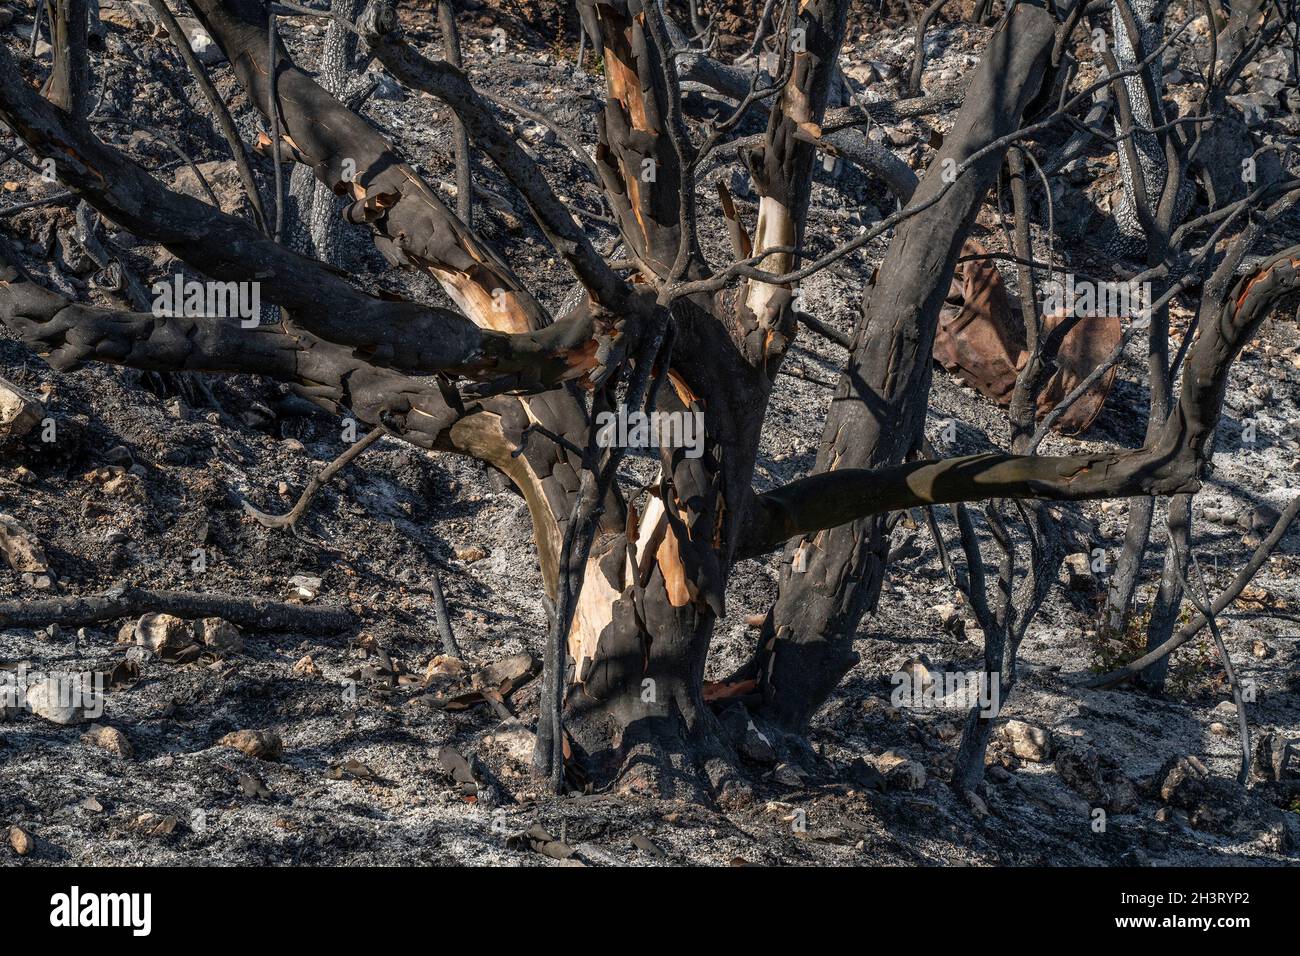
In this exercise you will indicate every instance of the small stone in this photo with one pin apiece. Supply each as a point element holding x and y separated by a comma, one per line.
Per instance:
<point>306,667</point>
<point>1261,650</point>
<point>916,677</point>
<point>471,554</point>
<point>58,701</point>
<point>1220,730</point>
<point>908,775</point>
<point>1225,709</point>
<point>19,412</point>
<point>219,634</point>
<point>21,841</point>
<point>110,739</point>
<point>901,772</point>
<point>261,744</point>
<point>950,618</point>
<point>119,455</point>
<point>306,588</point>
<point>22,549</point>
<point>756,746</point>
<point>1078,568</point>
<point>976,804</point>
<point>788,775</point>
<point>1027,741</point>
<point>535,134</point>
<point>159,632</point>
<point>903,135</point>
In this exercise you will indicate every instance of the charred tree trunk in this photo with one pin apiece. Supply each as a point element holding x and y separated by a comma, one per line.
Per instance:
<point>829,580</point>
<point>69,83</point>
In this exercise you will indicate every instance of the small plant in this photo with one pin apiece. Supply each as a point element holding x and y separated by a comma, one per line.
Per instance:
<point>1190,670</point>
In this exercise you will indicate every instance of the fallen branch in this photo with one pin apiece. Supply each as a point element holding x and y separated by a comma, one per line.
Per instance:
<point>290,519</point>
<point>251,612</point>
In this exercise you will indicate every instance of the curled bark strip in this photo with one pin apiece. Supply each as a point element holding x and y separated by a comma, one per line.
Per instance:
<point>781,169</point>
<point>258,614</point>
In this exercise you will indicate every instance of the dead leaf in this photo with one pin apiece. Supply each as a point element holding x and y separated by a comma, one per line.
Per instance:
<point>149,824</point>
<point>981,341</point>
<point>507,674</point>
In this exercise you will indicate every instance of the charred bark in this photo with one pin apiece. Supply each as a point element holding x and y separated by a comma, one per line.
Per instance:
<point>828,580</point>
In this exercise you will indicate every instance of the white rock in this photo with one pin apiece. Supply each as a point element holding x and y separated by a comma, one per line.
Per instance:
<point>159,631</point>
<point>57,700</point>
<point>1027,741</point>
<point>305,587</point>
<point>19,412</point>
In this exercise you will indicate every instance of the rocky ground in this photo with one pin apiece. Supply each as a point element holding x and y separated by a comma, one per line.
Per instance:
<point>371,747</point>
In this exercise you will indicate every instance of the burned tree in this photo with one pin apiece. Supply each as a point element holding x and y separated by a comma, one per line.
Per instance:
<point>636,575</point>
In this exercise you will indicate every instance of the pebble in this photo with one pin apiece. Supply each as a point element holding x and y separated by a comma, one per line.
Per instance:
<point>110,739</point>
<point>261,744</point>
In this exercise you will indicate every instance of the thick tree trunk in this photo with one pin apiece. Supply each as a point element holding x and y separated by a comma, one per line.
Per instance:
<point>634,710</point>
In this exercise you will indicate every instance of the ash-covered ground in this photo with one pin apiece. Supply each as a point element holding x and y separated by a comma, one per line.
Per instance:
<point>363,777</point>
